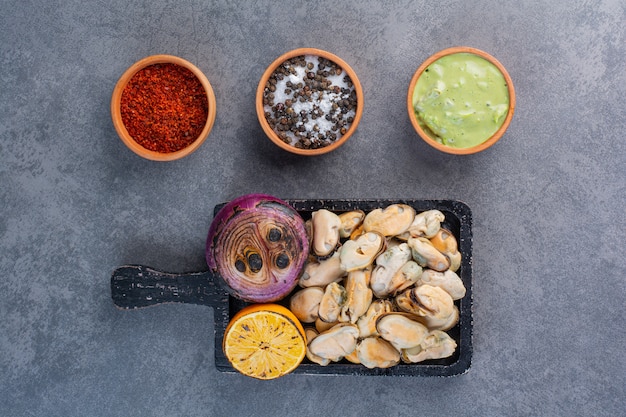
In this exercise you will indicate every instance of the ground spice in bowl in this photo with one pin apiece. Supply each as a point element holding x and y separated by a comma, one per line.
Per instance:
<point>309,101</point>
<point>163,107</point>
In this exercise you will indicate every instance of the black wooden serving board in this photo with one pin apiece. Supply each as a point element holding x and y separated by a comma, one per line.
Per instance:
<point>137,286</point>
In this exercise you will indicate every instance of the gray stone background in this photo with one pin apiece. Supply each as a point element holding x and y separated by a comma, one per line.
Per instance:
<point>548,202</point>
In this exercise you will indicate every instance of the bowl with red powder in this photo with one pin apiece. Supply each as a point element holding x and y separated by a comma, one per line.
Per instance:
<point>163,108</point>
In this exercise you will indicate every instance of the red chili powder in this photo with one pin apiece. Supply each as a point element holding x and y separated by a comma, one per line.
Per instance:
<point>164,107</point>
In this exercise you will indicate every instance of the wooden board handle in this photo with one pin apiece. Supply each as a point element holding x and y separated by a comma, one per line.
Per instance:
<point>136,286</point>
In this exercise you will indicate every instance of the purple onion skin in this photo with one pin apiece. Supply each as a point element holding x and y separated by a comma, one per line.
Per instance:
<point>257,246</point>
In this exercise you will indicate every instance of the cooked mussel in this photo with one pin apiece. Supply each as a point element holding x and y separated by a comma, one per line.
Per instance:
<point>335,343</point>
<point>376,352</point>
<point>401,330</point>
<point>436,345</point>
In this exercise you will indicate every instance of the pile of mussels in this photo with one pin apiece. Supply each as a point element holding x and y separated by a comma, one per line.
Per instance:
<point>379,288</point>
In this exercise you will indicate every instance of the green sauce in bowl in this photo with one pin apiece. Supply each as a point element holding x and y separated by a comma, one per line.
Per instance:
<point>461,100</point>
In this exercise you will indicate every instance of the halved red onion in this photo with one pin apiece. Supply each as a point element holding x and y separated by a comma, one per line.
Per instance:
<point>257,245</point>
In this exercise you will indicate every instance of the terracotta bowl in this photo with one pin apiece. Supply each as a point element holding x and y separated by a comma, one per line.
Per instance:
<point>273,135</point>
<point>428,136</point>
<point>116,113</point>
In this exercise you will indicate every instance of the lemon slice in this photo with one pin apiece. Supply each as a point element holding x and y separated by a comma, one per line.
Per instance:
<point>264,341</point>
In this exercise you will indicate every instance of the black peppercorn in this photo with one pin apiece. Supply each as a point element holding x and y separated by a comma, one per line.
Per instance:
<point>302,103</point>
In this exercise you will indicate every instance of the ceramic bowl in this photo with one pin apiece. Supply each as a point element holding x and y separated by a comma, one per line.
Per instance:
<point>430,137</point>
<point>265,107</point>
<point>116,111</point>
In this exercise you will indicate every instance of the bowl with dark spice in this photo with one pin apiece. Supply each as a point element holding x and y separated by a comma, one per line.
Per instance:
<point>309,101</point>
<point>461,100</point>
<point>163,107</point>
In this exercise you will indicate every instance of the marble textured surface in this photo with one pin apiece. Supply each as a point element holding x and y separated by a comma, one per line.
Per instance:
<point>548,202</point>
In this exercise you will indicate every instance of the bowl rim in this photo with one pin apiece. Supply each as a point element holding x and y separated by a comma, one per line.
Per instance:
<point>261,112</point>
<point>449,149</point>
<point>116,114</point>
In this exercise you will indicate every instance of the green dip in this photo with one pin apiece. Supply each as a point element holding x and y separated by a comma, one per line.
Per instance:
<point>461,100</point>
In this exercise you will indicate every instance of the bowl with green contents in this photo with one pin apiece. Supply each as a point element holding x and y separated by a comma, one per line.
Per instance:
<point>461,100</point>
